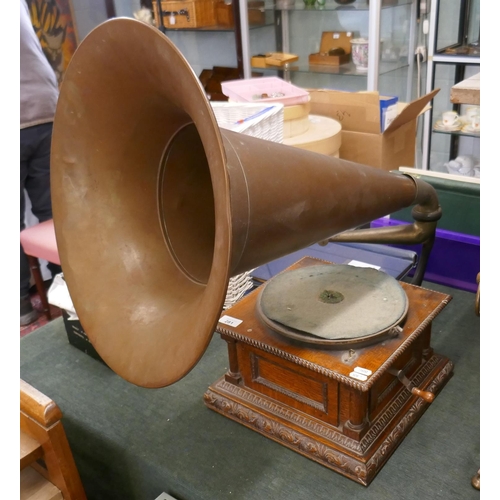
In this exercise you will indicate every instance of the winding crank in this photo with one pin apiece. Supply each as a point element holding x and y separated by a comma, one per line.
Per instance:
<point>425,395</point>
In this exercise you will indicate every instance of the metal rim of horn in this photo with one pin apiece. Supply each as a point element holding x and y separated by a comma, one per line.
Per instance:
<point>155,207</point>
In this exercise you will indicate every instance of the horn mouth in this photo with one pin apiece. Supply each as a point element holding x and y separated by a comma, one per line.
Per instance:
<point>186,204</point>
<point>144,243</point>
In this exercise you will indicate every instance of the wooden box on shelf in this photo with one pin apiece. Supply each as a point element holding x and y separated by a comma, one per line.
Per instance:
<point>273,59</point>
<point>333,40</point>
<point>224,13</point>
<point>186,13</point>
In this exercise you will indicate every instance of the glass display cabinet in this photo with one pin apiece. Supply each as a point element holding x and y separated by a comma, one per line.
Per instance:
<point>454,55</point>
<point>246,28</point>
<point>389,27</point>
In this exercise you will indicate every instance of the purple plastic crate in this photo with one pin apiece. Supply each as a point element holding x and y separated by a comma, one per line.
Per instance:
<point>454,260</point>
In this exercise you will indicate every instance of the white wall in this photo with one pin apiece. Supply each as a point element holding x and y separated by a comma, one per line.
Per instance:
<point>88,14</point>
<point>126,8</point>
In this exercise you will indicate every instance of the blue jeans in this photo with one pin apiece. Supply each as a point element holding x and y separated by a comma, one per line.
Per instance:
<point>35,178</point>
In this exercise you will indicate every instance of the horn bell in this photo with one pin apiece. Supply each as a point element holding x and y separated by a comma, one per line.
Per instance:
<point>155,207</point>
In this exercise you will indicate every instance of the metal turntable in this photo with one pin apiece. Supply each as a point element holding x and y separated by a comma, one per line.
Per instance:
<point>320,305</point>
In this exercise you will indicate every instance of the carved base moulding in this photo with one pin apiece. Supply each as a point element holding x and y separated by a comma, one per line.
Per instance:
<point>316,440</point>
<point>313,400</point>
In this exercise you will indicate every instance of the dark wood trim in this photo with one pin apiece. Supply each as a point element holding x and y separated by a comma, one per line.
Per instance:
<point>237,36</point>
<point>110,8</point>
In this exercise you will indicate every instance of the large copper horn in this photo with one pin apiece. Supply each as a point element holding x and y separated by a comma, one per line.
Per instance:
<point>155,207</point>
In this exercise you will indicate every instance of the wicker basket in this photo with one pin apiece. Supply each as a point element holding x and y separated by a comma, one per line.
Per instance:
<point>185,14</point>
<point>257,120</point>
<point>264,121</point>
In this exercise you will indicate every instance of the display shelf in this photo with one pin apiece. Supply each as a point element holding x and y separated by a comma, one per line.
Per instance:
<point>299,30</point>
<point>331,5</point>
<point>455,59</point>
<point>457,133</point>
<point>218,28</point>
<point>343,69</point>
<point>454,55</point>
<point>265,18</point>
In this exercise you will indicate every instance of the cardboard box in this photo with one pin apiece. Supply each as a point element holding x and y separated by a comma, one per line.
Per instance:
<point>78,338</point>
<point>331,40</point>
<point>362,140</point>
<point>388,111</point>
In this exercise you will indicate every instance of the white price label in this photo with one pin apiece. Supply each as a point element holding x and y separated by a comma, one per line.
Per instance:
<point>230,321</point>
<point>171,19</point>
<point>363,371</point>
<point>357,263</point>
<point>358,376</point>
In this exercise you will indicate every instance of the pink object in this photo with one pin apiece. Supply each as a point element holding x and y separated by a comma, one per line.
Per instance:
<point>40,241</point>
<point>255,90</point>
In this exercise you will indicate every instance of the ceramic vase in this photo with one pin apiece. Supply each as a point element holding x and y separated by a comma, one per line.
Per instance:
<point>359,53</point>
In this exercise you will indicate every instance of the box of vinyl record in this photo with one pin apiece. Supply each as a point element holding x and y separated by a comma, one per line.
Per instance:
<point>58,295</point>
<point>77,336</point>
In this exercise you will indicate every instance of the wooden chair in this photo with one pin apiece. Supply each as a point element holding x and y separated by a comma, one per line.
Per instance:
<point>39,242</point>
<point>48,470</point>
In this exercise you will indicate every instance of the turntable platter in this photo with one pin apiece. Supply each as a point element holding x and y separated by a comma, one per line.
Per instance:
<point>333,304</point>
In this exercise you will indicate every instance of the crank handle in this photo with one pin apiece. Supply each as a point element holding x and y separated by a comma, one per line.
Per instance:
<point>425,395</point>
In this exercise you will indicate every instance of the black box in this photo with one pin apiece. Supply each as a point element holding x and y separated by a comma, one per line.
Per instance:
<point>78,338</point>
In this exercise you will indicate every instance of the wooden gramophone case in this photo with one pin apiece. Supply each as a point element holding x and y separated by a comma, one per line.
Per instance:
<point>342,408</point>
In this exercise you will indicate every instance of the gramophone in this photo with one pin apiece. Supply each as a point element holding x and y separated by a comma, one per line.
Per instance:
<point>155,208</point>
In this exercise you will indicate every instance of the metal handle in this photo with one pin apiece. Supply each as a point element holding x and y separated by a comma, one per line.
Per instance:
<point>425,395</point>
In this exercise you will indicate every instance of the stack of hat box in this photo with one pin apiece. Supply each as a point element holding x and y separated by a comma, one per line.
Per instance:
<point>319,134</point>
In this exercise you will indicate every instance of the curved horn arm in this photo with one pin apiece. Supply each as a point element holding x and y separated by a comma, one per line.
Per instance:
<point>426,213</point>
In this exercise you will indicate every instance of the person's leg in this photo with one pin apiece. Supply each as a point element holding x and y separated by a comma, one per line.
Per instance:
<point>38,180</point>
<point>27,313</point>
<point>25,270</point>
<point>38,172</point>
